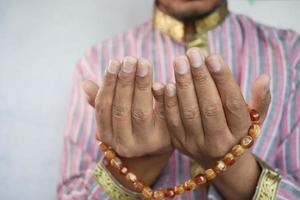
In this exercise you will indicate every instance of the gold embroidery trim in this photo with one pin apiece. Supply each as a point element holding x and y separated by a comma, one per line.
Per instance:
<point>206,24</point>
<point>110,186</point>
<point>167,24</point>
<point>175,28</point>
<point>195,168</point>
<point>212,20</point>
<point>268,183</point>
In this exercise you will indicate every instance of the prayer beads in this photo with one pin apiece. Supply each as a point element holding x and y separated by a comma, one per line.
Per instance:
<point>229,159</point>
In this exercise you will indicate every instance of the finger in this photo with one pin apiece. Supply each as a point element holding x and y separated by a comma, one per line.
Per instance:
<point>142,108</point>
<point>187,98</point>
<point>122,102</point>
<point>212,114</point>
<point>91,89</point>
<point>103,101</point>
<point>235,107</point>
<point>158,93</point>
<point>173,116</point>
<point>261,96</point>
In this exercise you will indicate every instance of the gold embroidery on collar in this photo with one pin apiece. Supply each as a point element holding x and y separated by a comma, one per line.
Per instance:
<point>212,20</point>
<point>168,24</point>
<point>175,28</point>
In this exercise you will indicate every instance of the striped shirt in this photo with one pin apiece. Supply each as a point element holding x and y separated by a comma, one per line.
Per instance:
<point>249,48</point>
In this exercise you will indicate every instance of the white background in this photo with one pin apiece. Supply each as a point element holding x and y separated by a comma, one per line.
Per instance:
<point>40,41</point>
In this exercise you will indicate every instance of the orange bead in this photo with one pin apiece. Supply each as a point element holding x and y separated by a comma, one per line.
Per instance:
<point>229,159</point>
<point>254,130</point>
<point>254,115</point>
<point>147,192</point>
<point>169,192</point>
<point>124,170</point>
<point>158,195</point>
<point>138,185</point>
<point>109,154</point>
<point>210,174</point>
<point>200,179</point>
<point>220,167</point>
<point>116,163</point>
<point>189,185</point>
<point>237,150</point>
<point>247,141</point>
<point>103,146</point>
<point>131,177</point>
<point>179,189</point>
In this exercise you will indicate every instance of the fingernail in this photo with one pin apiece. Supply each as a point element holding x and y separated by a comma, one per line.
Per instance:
<point>195,57</point>
<point>157,87</point>
<point>113,67</point>
<point>128,64</point>
<point>214,63</point>
<point>181,65</point>
<point>170,90</point>
<point>142,69</point>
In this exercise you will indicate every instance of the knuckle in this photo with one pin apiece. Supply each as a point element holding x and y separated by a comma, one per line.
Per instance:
<point>101,107</point>
<point>109,78</point>
<point>141,114</point>
<point>200,78</point>
<point>182,82</point>
<point>120,111</point>
<point>143,83</point>
<point>171,102</point>
<point>211,109</point>
<point>221,78</point>
<point>190,112</point>
<point>125,80</point>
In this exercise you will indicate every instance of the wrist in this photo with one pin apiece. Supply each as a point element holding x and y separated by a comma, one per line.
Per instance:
<point>240,179</point>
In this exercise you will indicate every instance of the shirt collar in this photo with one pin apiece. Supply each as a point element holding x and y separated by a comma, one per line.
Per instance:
<point>175,28</point>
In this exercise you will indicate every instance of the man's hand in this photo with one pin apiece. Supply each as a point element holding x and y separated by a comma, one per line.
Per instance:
<point>207,115</point>
<point>126,119</point>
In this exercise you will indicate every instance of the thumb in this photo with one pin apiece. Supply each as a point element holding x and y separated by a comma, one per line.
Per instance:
<point>261,96</point>
<point>91,89</point>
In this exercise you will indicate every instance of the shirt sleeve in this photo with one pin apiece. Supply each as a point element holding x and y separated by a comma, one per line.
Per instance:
<point>288,155</point>
<point>80,153</point>
<point>288,152</point>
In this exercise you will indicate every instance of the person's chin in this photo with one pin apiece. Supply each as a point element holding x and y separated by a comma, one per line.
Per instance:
<point>186,11</point>
<point>189,15</point>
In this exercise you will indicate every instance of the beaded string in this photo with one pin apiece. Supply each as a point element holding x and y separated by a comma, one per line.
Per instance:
<point>229,159</point>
